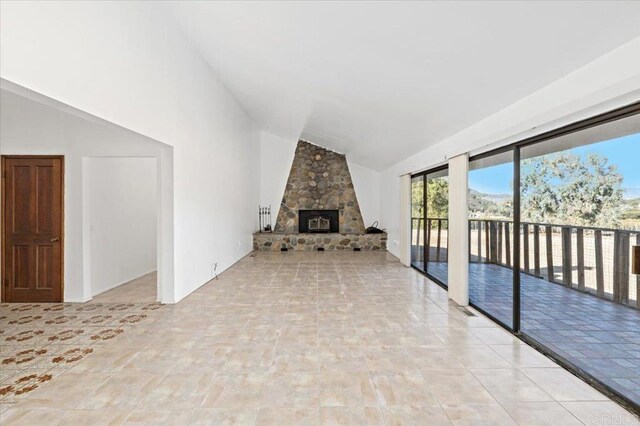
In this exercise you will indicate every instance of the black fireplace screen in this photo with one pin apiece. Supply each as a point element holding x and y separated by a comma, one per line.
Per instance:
<point>311,221</point>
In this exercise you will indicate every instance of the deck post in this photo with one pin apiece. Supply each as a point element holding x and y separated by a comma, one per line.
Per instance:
<point>418,236</point>
<point>566,255</point>
<point>637,269</point>
<point>438,241</point>
<point>499,257</point>
<point>479,225</point>
<point>427,241</point>
<point>507,243</point>
<point>536,250</point>
<point>580,256</point>
<point>549,236</point>
<point>625,263</point>
<point>621,267</point>
<point>525,242</point>
<point>597,236</point>
<point>487,241</point>
<point>493,241</point>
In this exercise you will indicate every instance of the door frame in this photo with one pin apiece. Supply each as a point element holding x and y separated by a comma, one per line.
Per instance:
<point>3,161</point>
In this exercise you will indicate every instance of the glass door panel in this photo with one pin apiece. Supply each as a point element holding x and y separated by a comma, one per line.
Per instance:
<point>491,235</point>
<point>580,215</point>
<point>437,226</point>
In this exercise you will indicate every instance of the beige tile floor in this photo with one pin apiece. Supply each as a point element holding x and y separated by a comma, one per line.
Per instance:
<point>142,289</point>
<point>314,338</point>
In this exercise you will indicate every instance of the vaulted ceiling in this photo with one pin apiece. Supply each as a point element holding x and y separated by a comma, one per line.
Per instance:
<point>381,81</point>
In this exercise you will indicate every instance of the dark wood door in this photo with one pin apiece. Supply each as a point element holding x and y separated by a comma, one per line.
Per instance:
<point>32,228</point>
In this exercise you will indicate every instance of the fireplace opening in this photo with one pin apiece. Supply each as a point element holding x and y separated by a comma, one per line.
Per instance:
<point>317,221</point>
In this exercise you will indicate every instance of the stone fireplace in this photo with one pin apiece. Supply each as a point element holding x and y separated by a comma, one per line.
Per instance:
<point>318,221</point>
<point>319,179</point>
<point>319,208</point>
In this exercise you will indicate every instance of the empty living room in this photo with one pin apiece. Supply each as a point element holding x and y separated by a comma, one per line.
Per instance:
<point>320,212</point>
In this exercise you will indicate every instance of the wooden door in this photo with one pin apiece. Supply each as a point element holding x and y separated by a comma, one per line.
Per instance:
<point>32,237</point>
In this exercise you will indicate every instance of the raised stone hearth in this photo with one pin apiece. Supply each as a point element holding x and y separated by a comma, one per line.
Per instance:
<point>312,242</point>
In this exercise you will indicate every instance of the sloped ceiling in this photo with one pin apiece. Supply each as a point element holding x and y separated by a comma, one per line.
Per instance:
<point>380,81</point>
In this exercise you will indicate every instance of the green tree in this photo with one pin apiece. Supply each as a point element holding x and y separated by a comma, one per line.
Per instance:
<point>417,202</point>
<point>438,198</point>
<point>566,188</point>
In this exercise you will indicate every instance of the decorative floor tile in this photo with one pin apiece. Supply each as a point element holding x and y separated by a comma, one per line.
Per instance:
<point>39,342</point>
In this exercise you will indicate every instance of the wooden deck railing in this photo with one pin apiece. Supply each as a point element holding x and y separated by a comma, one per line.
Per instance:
<point>435,228</point>
<point>588,259</point>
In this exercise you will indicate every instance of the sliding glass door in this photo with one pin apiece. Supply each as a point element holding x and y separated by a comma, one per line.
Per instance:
<point>552,223</point>
<point>580,214</point>
<point>429,223</point>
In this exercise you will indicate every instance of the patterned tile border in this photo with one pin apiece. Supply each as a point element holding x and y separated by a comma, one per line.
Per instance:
<point>39,342</point>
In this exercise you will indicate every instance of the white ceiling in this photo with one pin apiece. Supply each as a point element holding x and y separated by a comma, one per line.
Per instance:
<point>381,81</point>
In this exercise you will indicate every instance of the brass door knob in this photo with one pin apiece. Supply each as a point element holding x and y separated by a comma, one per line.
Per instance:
<point>53,240</point>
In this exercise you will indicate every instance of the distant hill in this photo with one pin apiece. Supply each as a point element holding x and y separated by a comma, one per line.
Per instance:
<point>482,202</point>
<point>494,205</point>
<point>496,198</point>
<point>631,209</point>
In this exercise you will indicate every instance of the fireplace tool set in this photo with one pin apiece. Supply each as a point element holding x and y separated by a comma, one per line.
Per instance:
<point>264,216</point>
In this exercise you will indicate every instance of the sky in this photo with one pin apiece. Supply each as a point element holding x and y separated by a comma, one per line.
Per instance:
<point>624,152</point>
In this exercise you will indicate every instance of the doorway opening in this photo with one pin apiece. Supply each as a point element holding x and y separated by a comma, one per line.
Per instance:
<point>120,203</point>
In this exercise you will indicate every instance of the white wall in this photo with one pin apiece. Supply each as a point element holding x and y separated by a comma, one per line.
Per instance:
<point>276,157</point>
<point>607,83</point>
<point>122,219</point>
<point>367,185</point>
<point>126,63</point>
<point>29,127</point>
